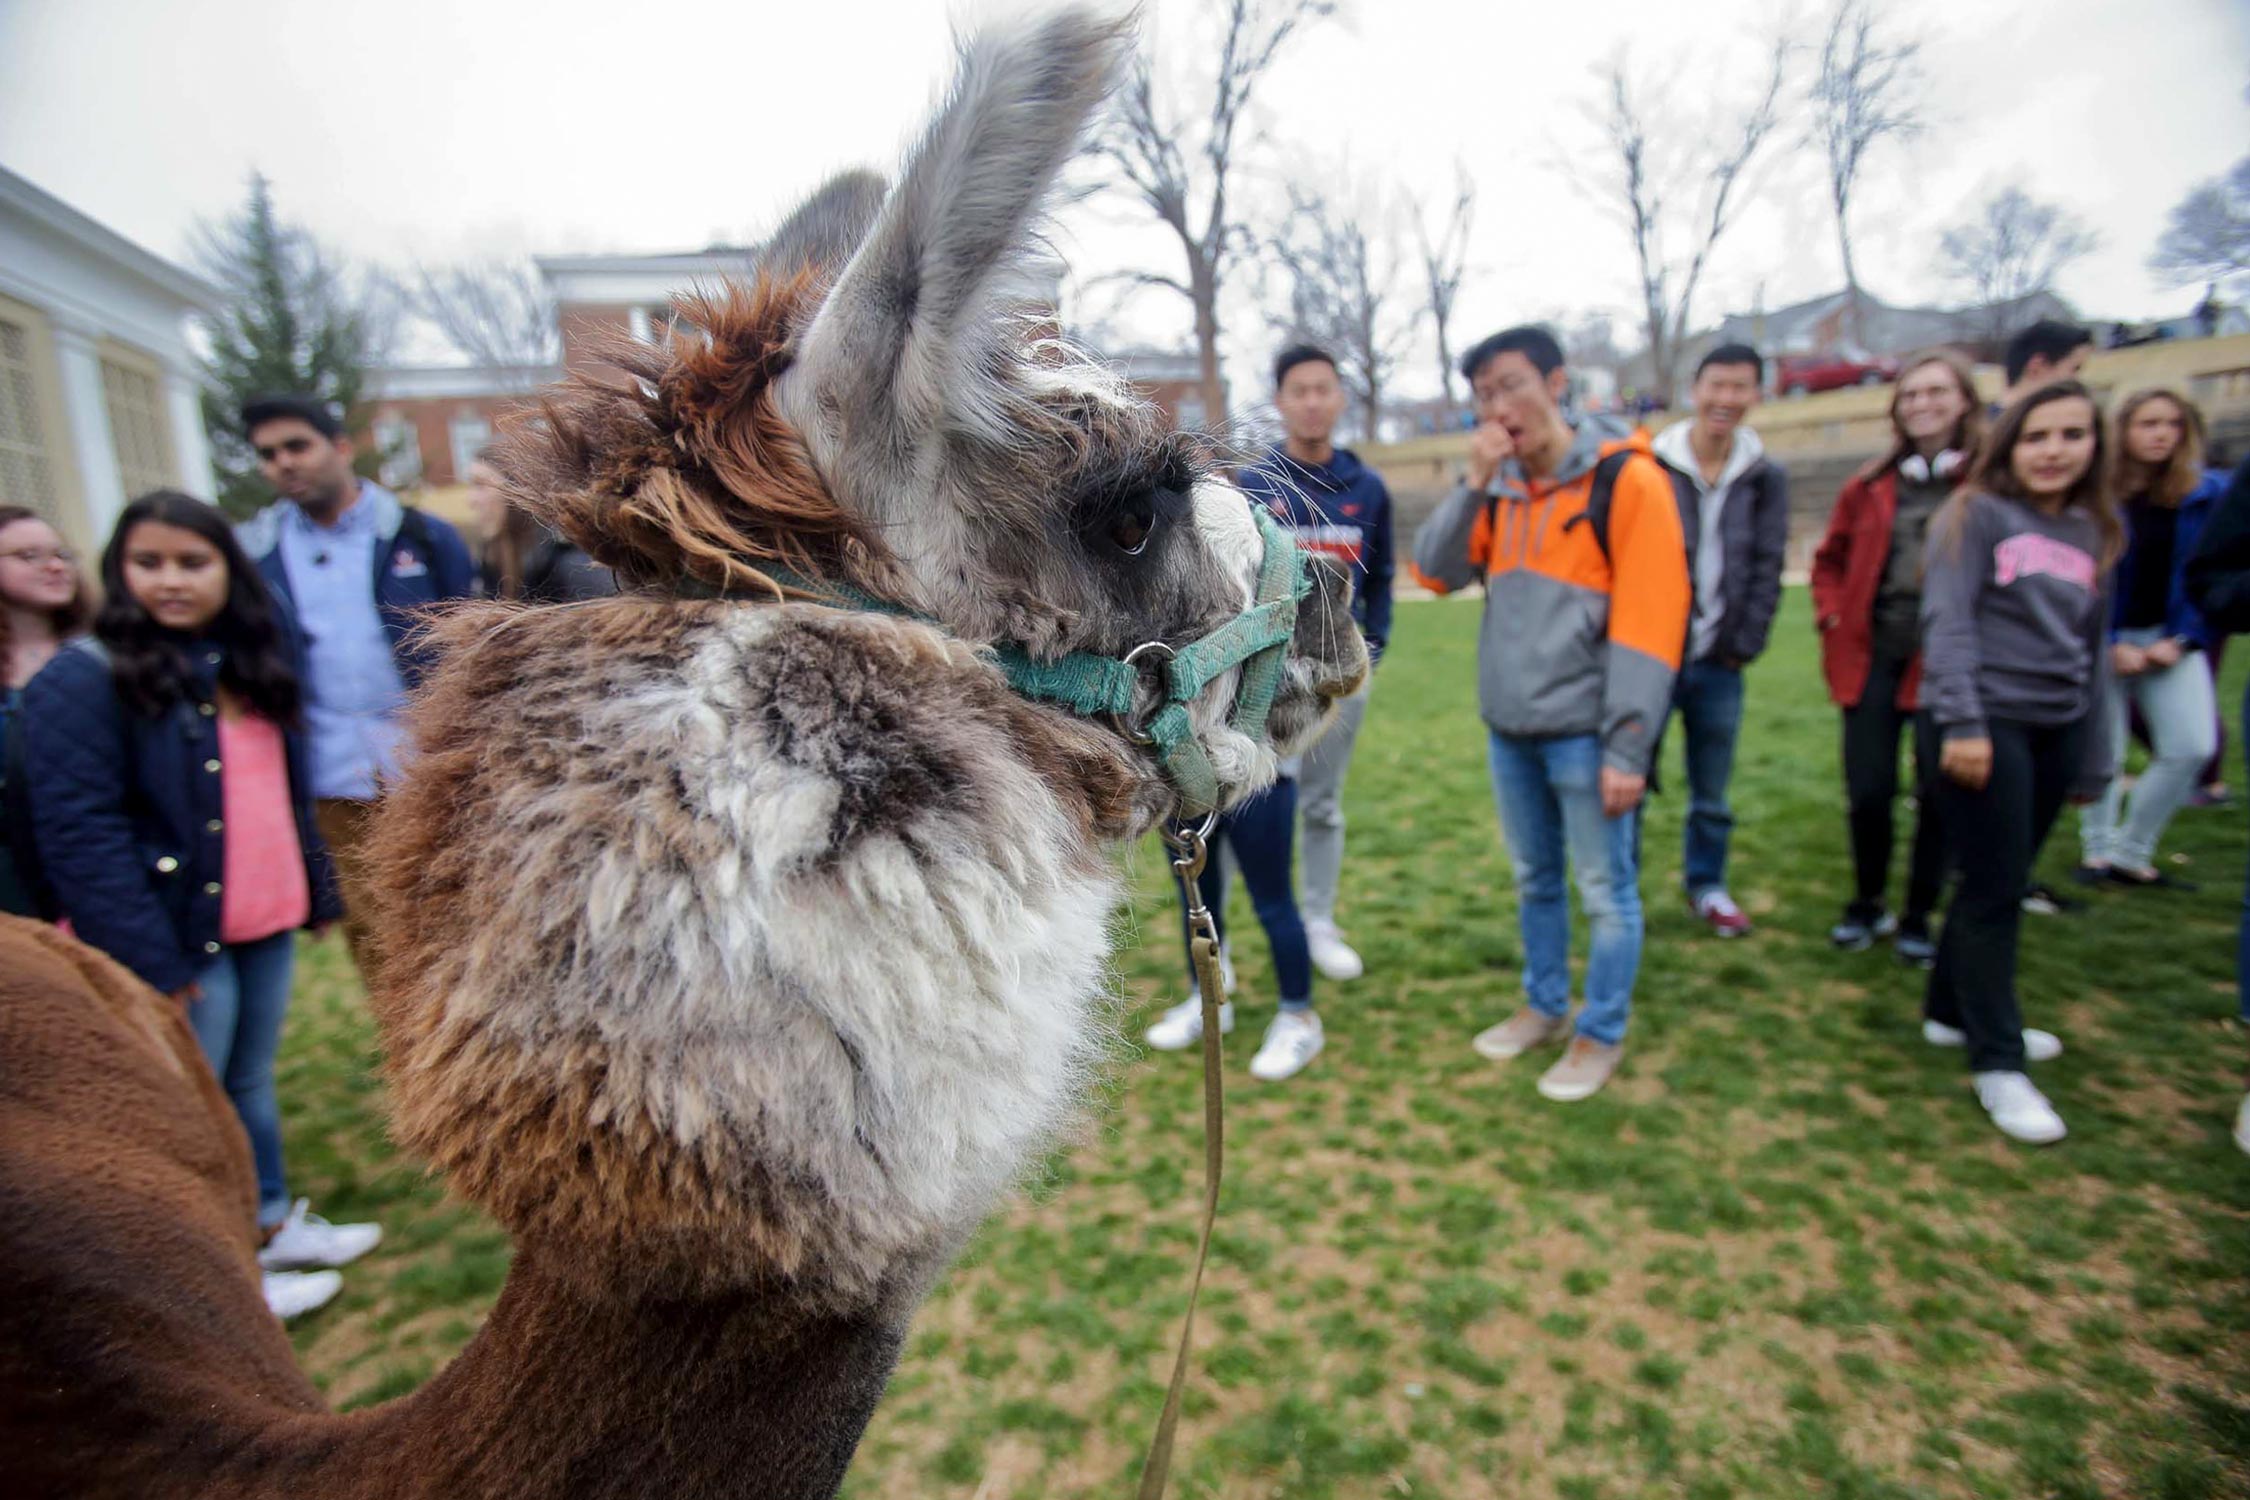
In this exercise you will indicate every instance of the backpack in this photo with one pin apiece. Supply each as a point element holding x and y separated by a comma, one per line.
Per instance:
<point>1598,500</point>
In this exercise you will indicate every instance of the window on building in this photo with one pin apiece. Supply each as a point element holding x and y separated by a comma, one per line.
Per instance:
<point>1191,414</point>
<point>27,465</point>
<point>470,432</point>
<point>138,432</point>
<point>398,450</point>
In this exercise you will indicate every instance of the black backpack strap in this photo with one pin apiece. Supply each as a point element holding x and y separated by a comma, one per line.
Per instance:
<point>1599,498</point>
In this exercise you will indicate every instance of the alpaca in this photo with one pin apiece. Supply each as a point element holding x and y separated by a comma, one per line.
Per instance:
<point>737,950</point>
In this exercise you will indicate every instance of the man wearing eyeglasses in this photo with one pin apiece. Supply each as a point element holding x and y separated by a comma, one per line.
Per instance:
<point>353,563</point>
<point>1574,534</point>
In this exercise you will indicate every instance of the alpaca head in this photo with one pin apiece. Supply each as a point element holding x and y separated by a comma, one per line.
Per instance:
<point>875,407</point>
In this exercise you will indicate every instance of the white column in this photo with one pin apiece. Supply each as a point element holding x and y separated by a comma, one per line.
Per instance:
<point>86,410</point>
<point>191,449</point>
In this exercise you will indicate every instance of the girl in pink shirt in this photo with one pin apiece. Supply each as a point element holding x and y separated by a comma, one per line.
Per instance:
<point>173,817</point>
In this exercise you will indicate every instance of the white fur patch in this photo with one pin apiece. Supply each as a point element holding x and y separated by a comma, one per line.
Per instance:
<point>1222,516</point>
<point>903,1018</point>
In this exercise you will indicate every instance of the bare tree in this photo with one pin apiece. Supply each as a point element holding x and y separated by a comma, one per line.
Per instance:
<point>1445,261</point>
<point>1182,172</point>
<point>1654,156</point>
<point>1867,90</point>
<point>2013,249</point>
<point>495,312</point>
<point>1343,266</point>
<point>2208,238</point>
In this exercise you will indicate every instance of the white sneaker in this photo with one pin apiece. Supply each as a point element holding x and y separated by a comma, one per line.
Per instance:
<point>1330,953</point>
<point>307,1240</point>
<point>1293,1040</point>
<point>2020,1110</point>
<point>1181,1027</point>
<point>291,1294</point>
<point>1226,975</point>
<point>2242,1124</point>
<point>2038,1046</point>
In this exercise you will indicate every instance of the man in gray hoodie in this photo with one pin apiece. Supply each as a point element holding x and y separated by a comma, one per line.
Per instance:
<point>1734,514</point>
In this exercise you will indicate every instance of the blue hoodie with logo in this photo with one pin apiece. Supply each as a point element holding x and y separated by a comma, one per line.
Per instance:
<point>1341,510</point>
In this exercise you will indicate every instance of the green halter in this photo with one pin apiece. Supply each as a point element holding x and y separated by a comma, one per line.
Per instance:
<point>1094,685</point>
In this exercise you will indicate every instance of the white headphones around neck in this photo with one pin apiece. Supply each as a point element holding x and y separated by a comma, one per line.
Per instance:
<point>1922,470</point>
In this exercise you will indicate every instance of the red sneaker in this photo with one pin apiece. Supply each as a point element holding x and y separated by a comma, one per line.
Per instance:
<point>1718,910</point>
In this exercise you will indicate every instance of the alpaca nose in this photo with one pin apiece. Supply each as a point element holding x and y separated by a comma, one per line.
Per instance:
<point>1327,639</point>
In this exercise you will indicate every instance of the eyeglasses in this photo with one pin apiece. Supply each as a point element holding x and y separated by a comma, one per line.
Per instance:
<point>39,557</point>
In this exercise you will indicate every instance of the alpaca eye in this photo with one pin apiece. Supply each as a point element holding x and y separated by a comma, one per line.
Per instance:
<point>1130,532</point>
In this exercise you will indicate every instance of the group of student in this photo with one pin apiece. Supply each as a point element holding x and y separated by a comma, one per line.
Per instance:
<point>2010,587</point>
<point>191,762</point>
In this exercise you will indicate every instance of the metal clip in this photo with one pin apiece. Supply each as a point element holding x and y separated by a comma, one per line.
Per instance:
<point>1159,653</point>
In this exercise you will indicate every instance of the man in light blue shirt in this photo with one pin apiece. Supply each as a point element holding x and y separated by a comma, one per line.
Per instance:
<point>351,563</point>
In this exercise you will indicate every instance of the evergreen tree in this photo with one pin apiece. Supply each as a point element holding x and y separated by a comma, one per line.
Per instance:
<point>291,325</point>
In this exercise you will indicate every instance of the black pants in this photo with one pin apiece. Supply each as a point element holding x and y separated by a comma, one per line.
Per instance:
<point>1871,733</point>
<point>1995,834</point>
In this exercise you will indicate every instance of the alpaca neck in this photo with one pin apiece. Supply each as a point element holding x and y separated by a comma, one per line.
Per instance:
<point>564,1394</point>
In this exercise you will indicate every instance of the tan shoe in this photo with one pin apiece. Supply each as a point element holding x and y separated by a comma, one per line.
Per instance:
<point>1582,1071</point>
<point>1520,1033</point>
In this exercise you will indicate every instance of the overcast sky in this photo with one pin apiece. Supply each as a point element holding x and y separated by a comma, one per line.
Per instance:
<point>440,128</point>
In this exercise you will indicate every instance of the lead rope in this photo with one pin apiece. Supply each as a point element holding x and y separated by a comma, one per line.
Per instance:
<point>1189,851</point>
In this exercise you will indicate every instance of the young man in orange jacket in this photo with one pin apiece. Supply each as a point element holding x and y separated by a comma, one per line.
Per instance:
<point>1585,613</point>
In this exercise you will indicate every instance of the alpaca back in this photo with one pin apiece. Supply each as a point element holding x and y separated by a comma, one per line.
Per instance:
<point>133,1340</point>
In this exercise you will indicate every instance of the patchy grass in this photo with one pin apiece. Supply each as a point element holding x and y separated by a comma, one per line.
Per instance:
<point>1782,1255</point>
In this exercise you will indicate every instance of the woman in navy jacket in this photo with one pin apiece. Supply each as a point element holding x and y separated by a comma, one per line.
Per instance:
<point>172,811</point>
<point>2158,642</point>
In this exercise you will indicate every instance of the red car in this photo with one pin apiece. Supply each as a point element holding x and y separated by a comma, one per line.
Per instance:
<point>1802,374</point>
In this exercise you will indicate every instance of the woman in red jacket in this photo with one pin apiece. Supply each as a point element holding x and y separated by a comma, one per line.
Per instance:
<point>1867,598</point>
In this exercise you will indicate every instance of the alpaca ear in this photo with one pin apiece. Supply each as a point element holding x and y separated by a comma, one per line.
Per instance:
<point>827,227</point>
<point>901,341</point>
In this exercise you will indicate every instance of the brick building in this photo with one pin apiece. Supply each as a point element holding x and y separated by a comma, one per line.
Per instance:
<point>427,422</point>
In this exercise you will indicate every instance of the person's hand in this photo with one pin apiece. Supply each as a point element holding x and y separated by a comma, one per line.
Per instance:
<point>1489,448</point>
<point>187,994</point>
<point>2161,654</point>
<point>1621,792</point>
<point>1967,762</point>
<point>2127,661</point>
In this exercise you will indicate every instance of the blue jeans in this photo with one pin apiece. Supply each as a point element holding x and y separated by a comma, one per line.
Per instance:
<point>1262,832</point>
<point>1709,697</point>
<point>238,1021</point>
<point>1550,797</point>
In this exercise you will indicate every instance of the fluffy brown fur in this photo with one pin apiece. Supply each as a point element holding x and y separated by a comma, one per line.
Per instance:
<point>480,878</point>
<point>690,473</point>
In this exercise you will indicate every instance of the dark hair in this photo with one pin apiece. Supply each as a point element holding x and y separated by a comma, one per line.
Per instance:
<point>259,410</point>
<point>147,661</point>
<point>1734,354</point>
<point>1968,428</point>
<point>1528,339</point>
<point>1299,354</point>
<point>1993,471</point>
<point>2048,339</point>
<point>71,618</point>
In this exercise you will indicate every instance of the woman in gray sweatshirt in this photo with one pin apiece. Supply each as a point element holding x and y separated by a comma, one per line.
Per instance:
<point>2014,614</point>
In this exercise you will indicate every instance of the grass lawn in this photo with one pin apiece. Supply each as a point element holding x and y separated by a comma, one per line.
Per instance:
<point>1783,1255</point>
